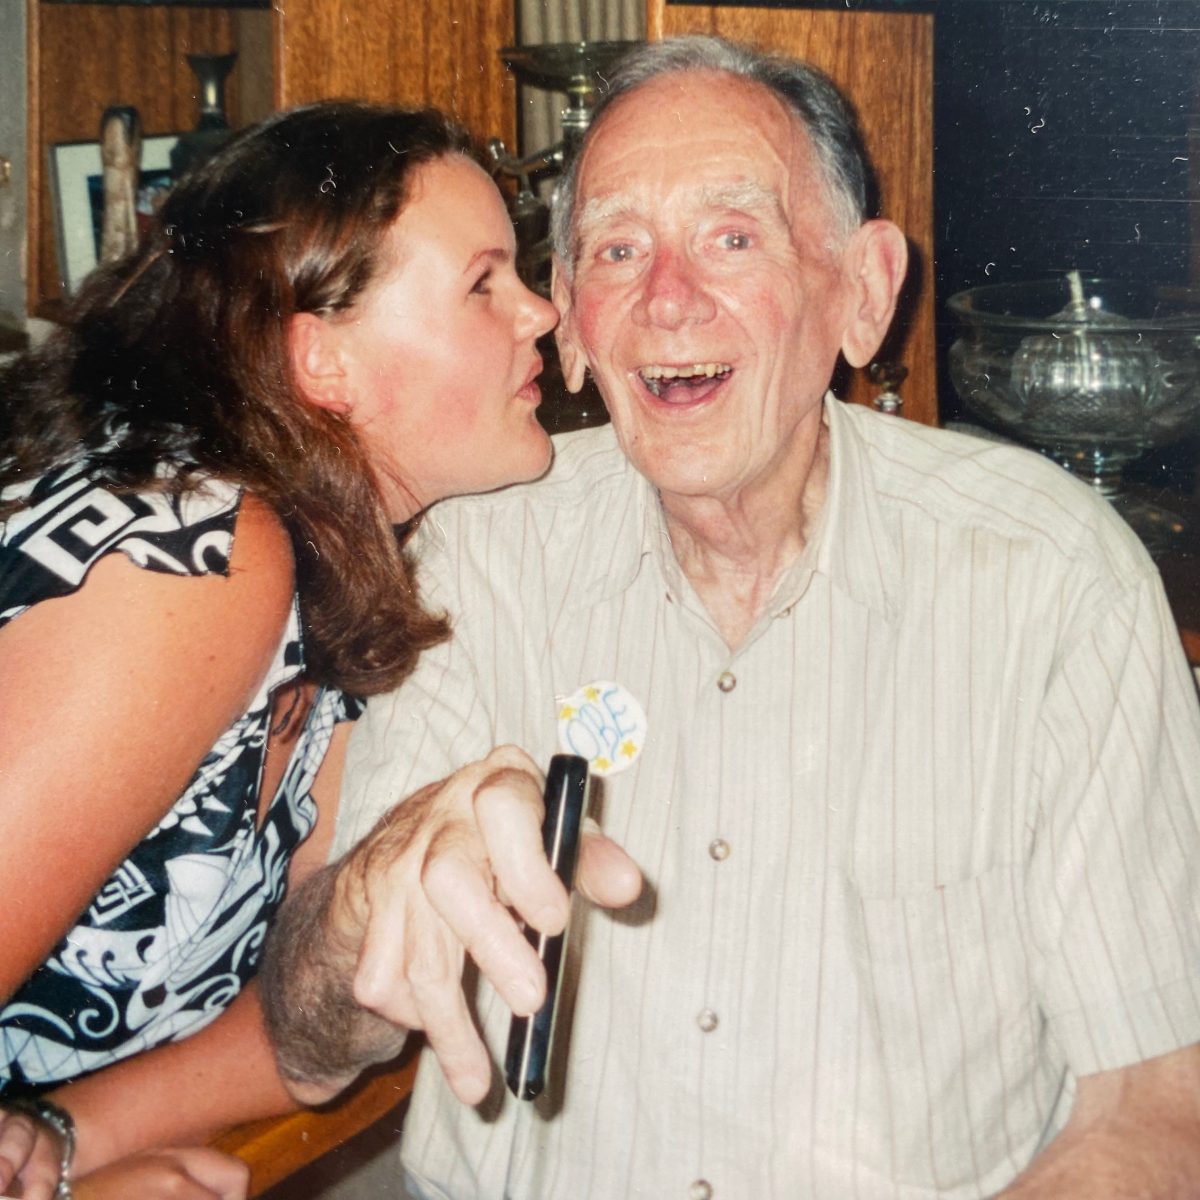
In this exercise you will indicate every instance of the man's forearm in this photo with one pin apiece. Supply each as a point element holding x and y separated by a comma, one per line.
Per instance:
<point>323,1039</point>
<point>1114,1161</point>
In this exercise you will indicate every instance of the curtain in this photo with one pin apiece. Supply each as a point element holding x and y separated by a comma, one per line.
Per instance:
<point>541,21</point>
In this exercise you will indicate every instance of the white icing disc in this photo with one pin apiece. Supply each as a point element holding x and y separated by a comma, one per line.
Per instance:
<point>603,723</point>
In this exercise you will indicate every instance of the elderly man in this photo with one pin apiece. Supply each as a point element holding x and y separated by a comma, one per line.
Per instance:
<point>915,799</point>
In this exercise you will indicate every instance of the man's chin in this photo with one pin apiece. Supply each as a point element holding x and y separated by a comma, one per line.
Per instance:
<point>684,476</point>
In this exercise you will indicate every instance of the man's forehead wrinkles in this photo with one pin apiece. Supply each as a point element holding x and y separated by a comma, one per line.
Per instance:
<point>744,195</point>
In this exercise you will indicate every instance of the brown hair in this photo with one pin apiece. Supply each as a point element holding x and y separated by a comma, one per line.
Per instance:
<point>178,354</point>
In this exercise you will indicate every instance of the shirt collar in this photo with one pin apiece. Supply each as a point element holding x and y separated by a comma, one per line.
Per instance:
<point>851,547</point>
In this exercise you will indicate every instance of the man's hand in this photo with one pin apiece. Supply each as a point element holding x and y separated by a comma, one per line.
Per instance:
<point>439,876</point>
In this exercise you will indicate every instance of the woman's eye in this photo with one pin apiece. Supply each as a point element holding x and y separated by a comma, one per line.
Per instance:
<point>735,241</point>
<point>482,285</point>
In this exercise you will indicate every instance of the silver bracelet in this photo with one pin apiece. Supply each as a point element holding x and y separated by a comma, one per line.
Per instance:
<point>58,1119</point>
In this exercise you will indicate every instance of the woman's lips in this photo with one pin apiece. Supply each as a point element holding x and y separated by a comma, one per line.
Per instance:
<point>530,390</point>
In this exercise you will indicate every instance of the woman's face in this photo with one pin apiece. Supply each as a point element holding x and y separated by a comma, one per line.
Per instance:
<point>439,351</point>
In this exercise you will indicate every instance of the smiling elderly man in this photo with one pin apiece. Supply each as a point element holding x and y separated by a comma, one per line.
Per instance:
<point>917,797</point>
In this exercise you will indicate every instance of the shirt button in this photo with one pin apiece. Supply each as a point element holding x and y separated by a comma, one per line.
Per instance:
<point>700,1190</point>
<point>727,681</point>
<point>718,849</point>
<point>707,1020</point>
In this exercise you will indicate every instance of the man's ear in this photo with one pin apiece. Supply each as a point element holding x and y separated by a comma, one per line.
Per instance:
<point>566,335</point>
<point>877,259</point>
<point>317,363</point>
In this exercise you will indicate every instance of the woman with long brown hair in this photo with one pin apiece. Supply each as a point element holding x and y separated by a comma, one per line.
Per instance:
<point>201,476</point>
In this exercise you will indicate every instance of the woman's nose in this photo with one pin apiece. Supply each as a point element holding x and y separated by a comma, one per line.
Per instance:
<point>538,315</point>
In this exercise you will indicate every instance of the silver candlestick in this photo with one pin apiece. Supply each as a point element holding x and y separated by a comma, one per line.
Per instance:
<point>212,129</point>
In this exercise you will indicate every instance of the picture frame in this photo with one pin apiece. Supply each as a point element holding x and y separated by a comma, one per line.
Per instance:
<point>77,191</point>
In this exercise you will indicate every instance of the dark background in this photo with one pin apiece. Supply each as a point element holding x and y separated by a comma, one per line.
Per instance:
<point>1061,135</point>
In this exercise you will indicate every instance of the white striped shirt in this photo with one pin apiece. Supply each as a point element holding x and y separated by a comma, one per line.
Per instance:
<point>954,790</point>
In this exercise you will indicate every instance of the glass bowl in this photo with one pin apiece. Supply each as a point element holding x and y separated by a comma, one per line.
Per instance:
<point>1092,372</point>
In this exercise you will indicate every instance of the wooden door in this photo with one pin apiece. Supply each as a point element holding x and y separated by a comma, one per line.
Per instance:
<point>407,52</point>
<point>884,64</point>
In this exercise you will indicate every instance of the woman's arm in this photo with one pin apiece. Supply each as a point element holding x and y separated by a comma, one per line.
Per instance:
<point>181,1093</point>
<point>109,699</point>
<point>184,1173</point>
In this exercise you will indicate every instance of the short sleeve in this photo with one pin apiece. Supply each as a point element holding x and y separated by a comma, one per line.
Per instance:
<point>70,521</point>
<point>1113,889</point>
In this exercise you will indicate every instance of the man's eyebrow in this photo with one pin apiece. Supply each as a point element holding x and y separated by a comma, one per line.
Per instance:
<point>740,196</point>
<point>601,210</point>
<point>746,196</point>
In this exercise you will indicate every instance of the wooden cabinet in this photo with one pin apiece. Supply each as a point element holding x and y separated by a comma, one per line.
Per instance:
<point>883,61</point>
<point>84,57</point>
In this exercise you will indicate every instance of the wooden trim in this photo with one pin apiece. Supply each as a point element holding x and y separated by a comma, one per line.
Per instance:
<point>654,20</point>
<point>33,157</point>
<point>277,1148</point>
<point>1191,645</point>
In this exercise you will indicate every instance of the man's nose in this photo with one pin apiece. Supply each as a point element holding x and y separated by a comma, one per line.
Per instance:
<point>674,293</point>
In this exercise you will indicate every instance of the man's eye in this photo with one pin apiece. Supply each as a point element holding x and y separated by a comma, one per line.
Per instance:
<point>735,241</point>
<point>619,253</point>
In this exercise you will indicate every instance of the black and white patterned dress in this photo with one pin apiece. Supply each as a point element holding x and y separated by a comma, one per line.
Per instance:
<point>172,936</point>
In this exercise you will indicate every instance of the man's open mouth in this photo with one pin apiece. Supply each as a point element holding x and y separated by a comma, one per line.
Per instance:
<point>683,383</point>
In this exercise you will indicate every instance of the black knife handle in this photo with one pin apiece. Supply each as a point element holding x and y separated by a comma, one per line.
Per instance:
<point>528,1055</point>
